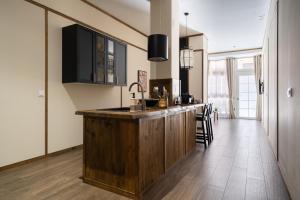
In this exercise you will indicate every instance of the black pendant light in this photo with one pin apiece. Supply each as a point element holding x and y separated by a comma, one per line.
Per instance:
<point>158,45</point>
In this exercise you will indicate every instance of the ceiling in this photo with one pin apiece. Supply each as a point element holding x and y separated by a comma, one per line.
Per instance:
<point>228,24</point>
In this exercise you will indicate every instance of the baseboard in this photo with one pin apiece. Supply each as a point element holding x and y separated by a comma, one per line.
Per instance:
<point>291,190</point>
<point>24,162</point>
<point>56,153</point>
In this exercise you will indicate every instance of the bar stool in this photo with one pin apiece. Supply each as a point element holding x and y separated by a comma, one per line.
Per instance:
<point>211,134</point>
<point>202,133</point>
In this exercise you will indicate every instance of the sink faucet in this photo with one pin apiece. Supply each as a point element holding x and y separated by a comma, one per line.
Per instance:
<point>143,99</point>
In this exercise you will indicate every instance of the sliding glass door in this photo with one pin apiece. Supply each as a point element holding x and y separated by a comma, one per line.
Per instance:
<point>246,88</point>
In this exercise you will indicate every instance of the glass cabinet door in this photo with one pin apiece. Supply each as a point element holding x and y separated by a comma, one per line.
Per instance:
<point>100,59</point>
<point>110,67</point>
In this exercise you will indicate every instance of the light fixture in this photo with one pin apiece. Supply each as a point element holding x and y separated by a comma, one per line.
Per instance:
<point>187,53</point>
<point>158,45</point>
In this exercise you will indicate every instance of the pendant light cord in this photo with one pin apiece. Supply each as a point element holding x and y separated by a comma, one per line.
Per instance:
<point>186,25</point>
<point>160,15</point>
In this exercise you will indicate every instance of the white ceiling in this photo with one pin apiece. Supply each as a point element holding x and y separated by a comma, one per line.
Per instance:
<point>228,24</point>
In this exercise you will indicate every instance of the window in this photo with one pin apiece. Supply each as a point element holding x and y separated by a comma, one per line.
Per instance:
<point>218,86</point>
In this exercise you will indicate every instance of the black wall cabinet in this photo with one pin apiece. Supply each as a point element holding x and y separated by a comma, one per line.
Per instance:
<point>89,57</point>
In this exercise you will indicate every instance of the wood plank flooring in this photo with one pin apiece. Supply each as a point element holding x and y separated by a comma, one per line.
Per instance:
<point>239,164</point>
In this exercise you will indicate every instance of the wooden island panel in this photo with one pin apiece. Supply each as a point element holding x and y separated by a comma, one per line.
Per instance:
<point>151,151</point>
<point>190,131</point>
<point>127,152</point>
<point>110,154</point>
<point>175,138</point>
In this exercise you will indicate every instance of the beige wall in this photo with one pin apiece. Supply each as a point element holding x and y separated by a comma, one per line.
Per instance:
<point>270,78</point>
<point>26,76</point>
<point>21,76</point>
<point>289,108</point>
<point>165,19</point>
<point>85,13</point>
<point>195,76</point>
<point>196,79</point>
<point>288,76</point>
<point>265,78</point>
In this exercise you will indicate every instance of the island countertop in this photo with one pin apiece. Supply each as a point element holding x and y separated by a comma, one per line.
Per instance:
<point>126,114</point>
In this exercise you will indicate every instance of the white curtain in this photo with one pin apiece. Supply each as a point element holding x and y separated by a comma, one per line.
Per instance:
<point>218,86</point>
<point>257,68</point>
<point>231,77</point>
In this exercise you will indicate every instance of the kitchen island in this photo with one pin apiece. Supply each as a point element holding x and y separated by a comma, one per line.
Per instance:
<point>127,152</point>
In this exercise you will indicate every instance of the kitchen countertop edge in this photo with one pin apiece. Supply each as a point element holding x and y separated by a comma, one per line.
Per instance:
<point>106,113</point>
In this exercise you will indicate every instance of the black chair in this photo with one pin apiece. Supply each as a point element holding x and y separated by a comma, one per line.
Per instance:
<point>202,133</point>
<point>211,134</point>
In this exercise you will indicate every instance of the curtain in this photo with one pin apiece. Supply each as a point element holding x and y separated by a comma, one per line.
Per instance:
<point>217,86</point>
<point>230,66</point>
<point>257,69</point>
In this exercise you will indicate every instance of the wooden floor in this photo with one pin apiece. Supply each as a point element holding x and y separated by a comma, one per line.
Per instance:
<point>239,164</point>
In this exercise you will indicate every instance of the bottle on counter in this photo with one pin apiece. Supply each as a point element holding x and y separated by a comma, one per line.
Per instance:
<point>164,99</point>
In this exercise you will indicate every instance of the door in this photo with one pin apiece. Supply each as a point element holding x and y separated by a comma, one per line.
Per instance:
<point>110,62</point>
<point>273,69</point>
<point>99,58</point>
<point>84,55</point>
<point>246,88</point>
<point>289,107</point>
<point>121,64</point>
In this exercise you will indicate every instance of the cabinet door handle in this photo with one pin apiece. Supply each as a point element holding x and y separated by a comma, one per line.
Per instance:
<point>92,77</point>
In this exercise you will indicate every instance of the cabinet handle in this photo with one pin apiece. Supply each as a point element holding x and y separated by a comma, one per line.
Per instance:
<point>92,77</point>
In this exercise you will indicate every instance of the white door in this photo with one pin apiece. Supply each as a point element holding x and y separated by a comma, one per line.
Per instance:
<point>246,90</point>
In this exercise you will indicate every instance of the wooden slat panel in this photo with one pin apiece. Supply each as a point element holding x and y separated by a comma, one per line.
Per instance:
<point>175,138</point>
<point>111,152</point>
<point>151,151</point>
<point>190,131</point>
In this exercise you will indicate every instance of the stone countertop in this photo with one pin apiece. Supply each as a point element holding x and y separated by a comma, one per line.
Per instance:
<point>126,114</point>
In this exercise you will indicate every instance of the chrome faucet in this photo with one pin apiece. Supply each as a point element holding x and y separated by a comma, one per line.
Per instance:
<point>143,99</point>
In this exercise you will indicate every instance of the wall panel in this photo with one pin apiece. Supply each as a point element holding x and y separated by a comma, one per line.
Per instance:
<point>22,68</point>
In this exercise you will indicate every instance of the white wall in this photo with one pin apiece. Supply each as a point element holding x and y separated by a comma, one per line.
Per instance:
<point>22,134</point>
<point>22,71</point>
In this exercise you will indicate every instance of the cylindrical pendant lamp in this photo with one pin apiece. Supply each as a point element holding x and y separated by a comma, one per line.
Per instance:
<point>158,47</point>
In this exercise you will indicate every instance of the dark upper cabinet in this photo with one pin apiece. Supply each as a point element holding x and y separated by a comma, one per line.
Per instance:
<point>110,62</point>
<point>89,57</point>
<point>99,58</point>
<point>121,63</point>
<point>77,54</point>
